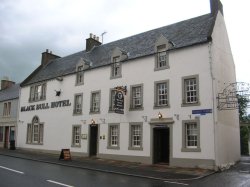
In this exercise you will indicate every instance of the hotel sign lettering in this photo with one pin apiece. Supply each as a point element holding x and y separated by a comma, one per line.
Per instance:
<point>43,106</point>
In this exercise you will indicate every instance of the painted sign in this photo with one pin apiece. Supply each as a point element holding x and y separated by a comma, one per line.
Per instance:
<point>119,102</point>
<point>43,106</point>
<point>202,111</point>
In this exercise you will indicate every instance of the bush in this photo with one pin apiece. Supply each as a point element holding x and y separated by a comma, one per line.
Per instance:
<point>244,137</point>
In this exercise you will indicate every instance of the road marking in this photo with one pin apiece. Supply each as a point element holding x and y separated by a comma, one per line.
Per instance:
<point>11,170</point>
<point>177,183</point>
<point>59,183</point>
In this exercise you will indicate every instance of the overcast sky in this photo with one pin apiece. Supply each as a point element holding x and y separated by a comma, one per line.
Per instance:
<point>28,27</point>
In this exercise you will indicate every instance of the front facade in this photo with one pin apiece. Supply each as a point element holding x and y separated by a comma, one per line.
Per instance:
<point>9,100</point>
<point>169,83</point>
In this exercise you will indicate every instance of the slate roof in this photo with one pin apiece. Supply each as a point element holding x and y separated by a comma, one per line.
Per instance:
<point>10,93</point>
<point>182,34</point>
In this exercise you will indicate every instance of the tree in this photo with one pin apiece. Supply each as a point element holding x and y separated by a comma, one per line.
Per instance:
<point>244,130</point>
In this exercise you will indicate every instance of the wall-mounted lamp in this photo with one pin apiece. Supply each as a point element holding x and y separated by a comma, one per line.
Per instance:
<point>102,120</point>
<point>92,121</point>
<point>145,118</point>
<point>190,116</point>
<point>159,115</point>
<point>177,116</point>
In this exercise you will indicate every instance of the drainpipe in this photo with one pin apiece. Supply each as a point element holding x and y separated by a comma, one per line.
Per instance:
<point>213,103</point>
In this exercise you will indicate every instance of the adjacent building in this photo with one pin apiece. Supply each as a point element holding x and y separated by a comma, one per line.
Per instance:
<point>147,98</point>
<point>9,100</point>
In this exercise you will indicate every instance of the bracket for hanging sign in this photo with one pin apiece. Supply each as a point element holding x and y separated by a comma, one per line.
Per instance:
<point>228,98</point>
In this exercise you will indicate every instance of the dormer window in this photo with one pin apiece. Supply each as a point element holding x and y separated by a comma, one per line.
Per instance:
<point>79,75</point>
<point>116,67</point>
<point>161,50</point>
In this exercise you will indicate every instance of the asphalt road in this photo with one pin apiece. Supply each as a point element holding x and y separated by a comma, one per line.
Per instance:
<point>15,172</point>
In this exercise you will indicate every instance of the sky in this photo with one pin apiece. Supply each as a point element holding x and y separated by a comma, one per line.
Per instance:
<point>29,27</point>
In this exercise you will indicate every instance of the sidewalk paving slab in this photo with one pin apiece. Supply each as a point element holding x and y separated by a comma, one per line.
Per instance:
<point>156,171</point>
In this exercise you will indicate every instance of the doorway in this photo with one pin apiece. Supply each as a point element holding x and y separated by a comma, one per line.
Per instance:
<point>161,145</point>
<point>6,137</point>
<point>93,140</point>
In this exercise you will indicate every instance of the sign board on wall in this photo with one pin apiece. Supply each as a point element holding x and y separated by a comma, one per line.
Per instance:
<point>119,102</point>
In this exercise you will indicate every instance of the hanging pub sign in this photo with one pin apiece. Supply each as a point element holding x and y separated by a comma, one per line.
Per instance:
<point>119,99</point>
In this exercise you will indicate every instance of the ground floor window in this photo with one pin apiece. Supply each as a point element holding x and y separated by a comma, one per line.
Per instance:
<point>135,137</point>
<point>191,135</point>
<point>113,140</point>
<point>35,132</point>
<point>76,136</point>
<point>1,134</point>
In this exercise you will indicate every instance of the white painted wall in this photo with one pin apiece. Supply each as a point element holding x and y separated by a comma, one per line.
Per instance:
<point>58,122</point>
<point>227,136</point>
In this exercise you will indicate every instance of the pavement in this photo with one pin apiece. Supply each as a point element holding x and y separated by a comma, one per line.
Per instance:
<point>155,171</point>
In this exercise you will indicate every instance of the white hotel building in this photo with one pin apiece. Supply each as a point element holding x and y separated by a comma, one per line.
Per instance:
<point>172,76</point>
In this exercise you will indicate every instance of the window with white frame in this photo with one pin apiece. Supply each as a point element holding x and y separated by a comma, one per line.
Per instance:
<point>161,93</point>
<point>135,136</point>
<point>136,101</point>
<point>112,100</point>
<point>162,57</point>
<point>35,132</point>
<point>6,109</point>
<point>95,102</point>
<point>37,92</point>
<point>113,136</point>
<point>191,135</point>
<point>190,90</point>
<point>76,135</point>
<point>78,104</point>
<point>116,67</point>
<point>79,75</point>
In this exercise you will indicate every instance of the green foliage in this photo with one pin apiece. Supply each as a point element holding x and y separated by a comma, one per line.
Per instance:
<point>244,137</point>
<point>243,102</point>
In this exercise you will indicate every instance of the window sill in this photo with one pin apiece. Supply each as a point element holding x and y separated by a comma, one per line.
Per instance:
<point>33,101</point>
<point>161,68</point>
<point>190,104</point>
<point>79,84</point>
<point>113,147</point>
<point>190,149</point>
<point>164,106</point>
<point>76,146</point>
<point>77,114</point>
<point>116,77</point>
<point>92,112</point>
<point>136,109</point>
<point>135,148</point>
<point>34,143</point>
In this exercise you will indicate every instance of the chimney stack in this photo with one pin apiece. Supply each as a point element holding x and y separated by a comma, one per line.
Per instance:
<point>47,57</point>
<point>215,6</point>
<point>5,83</point>
<point>92,41</point>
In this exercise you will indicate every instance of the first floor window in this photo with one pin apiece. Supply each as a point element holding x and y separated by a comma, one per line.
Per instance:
<point>190,90</point>
<point>112,100</point>
<point>37,92</point>
<point>113,136</point>
<point>136,97</point>
<point>78,104</point>
<point>161,93</point>
<point>76,133</point>
<point>191,133</point>
<point>135,138</point>
<point>95,102</point>
<point>35,132</point>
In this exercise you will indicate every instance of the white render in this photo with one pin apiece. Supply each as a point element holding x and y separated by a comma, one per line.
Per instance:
<point>219,130</point>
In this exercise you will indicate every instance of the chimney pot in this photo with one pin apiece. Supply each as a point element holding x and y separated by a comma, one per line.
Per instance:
<point>97,38</point>
<point>91,35</point>
<point>47,50</point>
